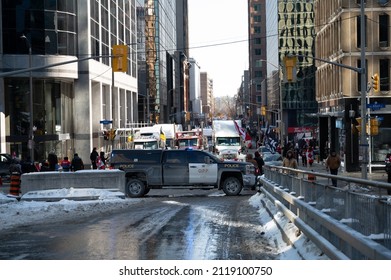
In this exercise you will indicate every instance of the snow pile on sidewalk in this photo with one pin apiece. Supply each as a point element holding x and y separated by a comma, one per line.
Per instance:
<point>25,212</point>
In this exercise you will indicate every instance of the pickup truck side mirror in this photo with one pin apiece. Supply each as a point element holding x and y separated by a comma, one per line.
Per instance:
<point>207,160</point>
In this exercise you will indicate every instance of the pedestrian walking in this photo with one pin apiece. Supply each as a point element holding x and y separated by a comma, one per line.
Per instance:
<point>290,161</point>
<point>93,157</point>
<point>260,161</point>
<point>53,162</point>
<point>333,162</point>
<point>249,158</point>
<point>77,163</point>
<point>101,164</point>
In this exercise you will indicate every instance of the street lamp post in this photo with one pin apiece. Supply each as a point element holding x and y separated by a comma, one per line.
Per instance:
<point>31,128</point>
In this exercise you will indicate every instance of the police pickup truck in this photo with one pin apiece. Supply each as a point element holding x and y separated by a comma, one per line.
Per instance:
<point>157,169</point>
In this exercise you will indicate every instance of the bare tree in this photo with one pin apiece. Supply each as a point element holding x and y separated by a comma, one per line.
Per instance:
<point>225,107</point>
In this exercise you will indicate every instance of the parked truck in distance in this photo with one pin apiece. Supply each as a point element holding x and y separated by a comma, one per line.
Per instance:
<point>157,169</point>
<point>227,141</point>
<point>193,139</point>
<point>147,138</point>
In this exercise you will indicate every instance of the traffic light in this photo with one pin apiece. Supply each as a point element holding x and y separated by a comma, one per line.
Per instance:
<point>112,134</point>
<point>263,110</point>
<point>358,126</point>
<point>120,58</point>
<point>374,123</point>
<point>375,82</point>
<point>290,68</point>
<point>188,116</point>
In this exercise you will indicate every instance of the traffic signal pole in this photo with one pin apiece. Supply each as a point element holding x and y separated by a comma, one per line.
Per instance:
<point>363,138</point>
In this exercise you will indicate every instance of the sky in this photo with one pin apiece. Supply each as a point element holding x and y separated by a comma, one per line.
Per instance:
<point>218,33</point>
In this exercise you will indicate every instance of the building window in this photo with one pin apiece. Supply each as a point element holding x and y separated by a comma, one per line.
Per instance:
<point>257,19</point>
<point>257,41</point>
<point>359,31</point>
<point>257,29</point>
<point>384,21</point>
<point>384,74</point>
<point>258,74</point>
<point>258,52</point>
<point>257,7</point>
<point>258,63</point>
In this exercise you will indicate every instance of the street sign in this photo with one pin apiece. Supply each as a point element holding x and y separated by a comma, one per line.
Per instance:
<point>106,122</point>
<point>376,106</point>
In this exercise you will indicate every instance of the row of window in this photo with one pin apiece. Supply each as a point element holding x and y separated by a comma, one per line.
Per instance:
<point>383,30</point>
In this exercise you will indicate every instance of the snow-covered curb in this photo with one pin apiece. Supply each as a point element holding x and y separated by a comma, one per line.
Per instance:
<point>281,231</point>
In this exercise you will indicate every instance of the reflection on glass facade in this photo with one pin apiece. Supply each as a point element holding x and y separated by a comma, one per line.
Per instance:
<point>160,37</point>
<point>297,36</point>
<point>52,113</point>
<point>50,26</point>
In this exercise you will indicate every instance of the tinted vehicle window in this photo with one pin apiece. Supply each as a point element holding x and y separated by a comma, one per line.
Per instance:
<point>175,157</point>
<point>137,156</point>
<point>196,157</point>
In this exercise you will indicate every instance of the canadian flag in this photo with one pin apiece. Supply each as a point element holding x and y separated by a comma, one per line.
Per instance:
<point>242,132</point>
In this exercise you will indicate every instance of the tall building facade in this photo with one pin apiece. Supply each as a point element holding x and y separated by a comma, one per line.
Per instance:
<point>338,89</point>
<point>296,27</point>
<point>160,38</point>
<point>257,57</point>
<point>207,97</point>
<point>163,60</point>
<point>74,101</point>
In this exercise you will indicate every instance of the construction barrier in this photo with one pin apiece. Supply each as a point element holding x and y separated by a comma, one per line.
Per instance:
<point>15,184</point>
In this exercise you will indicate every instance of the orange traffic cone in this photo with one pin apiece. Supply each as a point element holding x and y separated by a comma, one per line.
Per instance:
<point>15,184</point>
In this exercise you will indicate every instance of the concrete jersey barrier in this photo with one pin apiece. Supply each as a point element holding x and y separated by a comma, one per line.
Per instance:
<point>98,179</point>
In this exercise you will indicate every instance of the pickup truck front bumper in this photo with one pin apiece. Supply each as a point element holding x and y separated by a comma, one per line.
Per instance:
<point>249,180</point>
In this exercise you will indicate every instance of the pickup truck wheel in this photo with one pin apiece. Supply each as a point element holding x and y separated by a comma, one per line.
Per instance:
<point>135,188</point>
<point>147,190</point>
<point>232,186</point>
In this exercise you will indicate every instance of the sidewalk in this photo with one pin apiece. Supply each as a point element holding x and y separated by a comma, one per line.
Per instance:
<point>378,174</point>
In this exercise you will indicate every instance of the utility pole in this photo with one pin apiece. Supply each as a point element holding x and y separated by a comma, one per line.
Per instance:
<point>363,138</point>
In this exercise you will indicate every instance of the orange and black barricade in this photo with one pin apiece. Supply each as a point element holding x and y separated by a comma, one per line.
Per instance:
<point>15,184</point>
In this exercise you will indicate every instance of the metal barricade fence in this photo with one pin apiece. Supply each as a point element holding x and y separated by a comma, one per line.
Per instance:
<point>348,209</point>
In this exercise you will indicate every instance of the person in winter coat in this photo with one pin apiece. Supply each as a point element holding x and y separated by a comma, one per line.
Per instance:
<point>260,161</point>
<point>66,165</point>
<point>290,161</point>
<point>93,157</point>
<point>103,158</point>
<point>77,163</point>
<point>333,162</point>
<point>249,158</point>
<point>310,155</point>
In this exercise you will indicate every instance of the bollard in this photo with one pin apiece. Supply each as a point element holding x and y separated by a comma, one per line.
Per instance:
<point>15,184</point>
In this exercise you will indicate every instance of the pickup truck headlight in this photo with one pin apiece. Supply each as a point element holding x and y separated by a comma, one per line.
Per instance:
<point>250,169</point>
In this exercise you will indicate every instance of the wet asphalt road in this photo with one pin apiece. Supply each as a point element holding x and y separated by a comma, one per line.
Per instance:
<point>197,225</point>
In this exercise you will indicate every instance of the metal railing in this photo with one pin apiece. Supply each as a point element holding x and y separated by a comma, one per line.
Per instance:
<point>346,222</point>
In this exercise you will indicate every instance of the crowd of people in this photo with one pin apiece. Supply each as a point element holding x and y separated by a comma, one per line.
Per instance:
<point>294,154</point>
<point>52,163</point>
